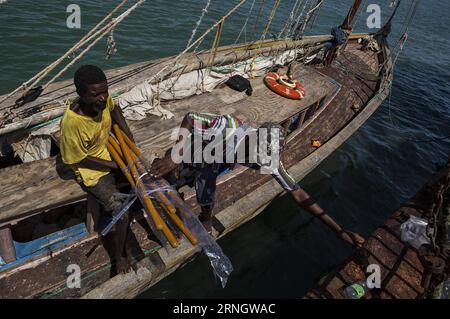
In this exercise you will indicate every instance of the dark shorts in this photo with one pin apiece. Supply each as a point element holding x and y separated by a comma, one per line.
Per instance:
<point>206,177</point>
<point>106,193</point>
<point>205,184</point>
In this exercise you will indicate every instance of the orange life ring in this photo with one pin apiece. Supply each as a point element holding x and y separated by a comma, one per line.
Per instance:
<point>297,93</point>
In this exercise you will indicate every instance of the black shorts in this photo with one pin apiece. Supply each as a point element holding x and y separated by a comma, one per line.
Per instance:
<point>105,191</point>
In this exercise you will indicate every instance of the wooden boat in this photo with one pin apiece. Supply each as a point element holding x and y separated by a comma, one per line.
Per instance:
<point>406,272</point>
<point>340,98</point>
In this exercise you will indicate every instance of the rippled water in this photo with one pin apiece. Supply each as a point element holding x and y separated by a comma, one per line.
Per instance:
<point>282,251</point>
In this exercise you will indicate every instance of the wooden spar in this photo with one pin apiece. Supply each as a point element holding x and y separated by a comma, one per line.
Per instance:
<point>191,62</point>
<point>351,15</point>
<point>345,26</point>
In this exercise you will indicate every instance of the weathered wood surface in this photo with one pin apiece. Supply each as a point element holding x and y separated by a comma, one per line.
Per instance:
<point>32,279</point>
<point>33,187</point>
<point>153,134</point>
<point>124,78</point>
<point>402,270</point>
<point>7,251</point>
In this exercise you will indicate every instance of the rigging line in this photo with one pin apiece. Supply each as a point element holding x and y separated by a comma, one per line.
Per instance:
<point>197,24</point>
<point>307,18</point>
<point>289,20</point>
<point>260,11</point>
<point>395,52</point>
<point>245,24</point>
<point>36,78</point>
<point>115,22</point>
<point>199,39</point>
<point>315,15</point>
<point>403,39</point>
<point>297,21</point>
<point>269,22</point>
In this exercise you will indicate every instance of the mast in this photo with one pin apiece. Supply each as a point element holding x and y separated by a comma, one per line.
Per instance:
<point>351,15</point>
<point>346,27</point>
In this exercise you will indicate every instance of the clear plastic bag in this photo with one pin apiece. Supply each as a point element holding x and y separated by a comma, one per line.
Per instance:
<point>414,232</point>
<point>147,187</point>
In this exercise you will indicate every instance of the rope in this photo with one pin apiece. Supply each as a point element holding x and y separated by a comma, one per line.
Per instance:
<point>245,24</point>
<point>269,22</point>
<point>318,5</point>
<point>260,11</point>
<point>404,37</point>
<point>110,46</point>
<point>114,23</point>
<point>175,59</point>
<point>194,31</point>
<point>289,20</point>
<point>50,67</point>
<point>263,35</point>
<point>297,21</point>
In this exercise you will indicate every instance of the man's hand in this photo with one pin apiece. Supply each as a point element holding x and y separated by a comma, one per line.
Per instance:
<point>161,167</point>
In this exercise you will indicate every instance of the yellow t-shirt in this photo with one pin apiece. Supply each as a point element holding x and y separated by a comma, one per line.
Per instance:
<point>82,136</point>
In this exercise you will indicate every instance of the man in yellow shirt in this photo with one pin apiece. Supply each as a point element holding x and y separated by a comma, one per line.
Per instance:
<point>85,127</point>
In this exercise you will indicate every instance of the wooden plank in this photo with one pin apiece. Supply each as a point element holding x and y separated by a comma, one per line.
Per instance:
<point>93,214</point>
<point>7,249</point>
<point>153,135</point>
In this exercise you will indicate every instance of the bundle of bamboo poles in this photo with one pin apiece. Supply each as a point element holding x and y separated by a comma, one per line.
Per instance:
<point>126,154</point>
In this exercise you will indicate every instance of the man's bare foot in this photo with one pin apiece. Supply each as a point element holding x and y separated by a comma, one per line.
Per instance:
<point>208,225</point>
<point>206,219</point>
<point>123,265</point>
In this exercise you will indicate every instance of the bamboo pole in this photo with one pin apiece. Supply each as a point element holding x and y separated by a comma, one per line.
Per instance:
<point>116,157</point>
<point>157,219</point>
<point>169,208</point>
<point>159,222</point>
<point>163,201</point>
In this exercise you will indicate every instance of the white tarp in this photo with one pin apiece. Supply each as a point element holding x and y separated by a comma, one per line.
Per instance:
<point>37,145</point>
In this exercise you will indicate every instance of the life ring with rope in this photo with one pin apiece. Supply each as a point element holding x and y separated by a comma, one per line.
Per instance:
<point>284,87</point>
